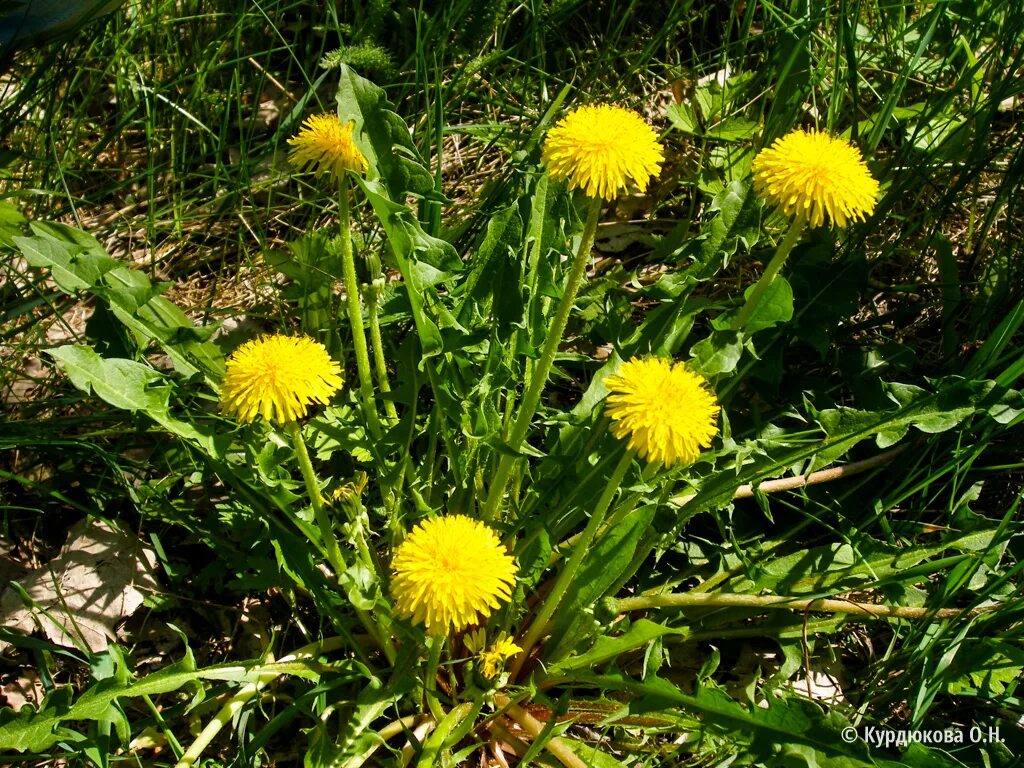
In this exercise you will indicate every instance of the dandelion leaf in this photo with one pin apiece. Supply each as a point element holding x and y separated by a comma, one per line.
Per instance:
<point>382,136</point>
<point>784,721</point>
<point>12,224</point>
<point>496,275</point>
<point>604,566</point>
<point>128,385</point>
<point>77,262</point>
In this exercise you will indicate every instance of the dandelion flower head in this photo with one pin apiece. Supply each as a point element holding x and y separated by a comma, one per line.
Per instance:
<point>815,175</point>
<point>325,143</point>
<point>278,377</point>
<point>451,572</point>
<point>667,411</point>
<point>492,659</point>
<point>602,149</point>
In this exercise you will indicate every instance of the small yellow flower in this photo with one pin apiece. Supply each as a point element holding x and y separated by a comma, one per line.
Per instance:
<point>350,491</point>
<point>667,411</point>
<point>601,149</point>
<point>451,572</point>
<point>278,377</point>
<point>492,659</point>
<point>326,143</point>
<point>815,175</point>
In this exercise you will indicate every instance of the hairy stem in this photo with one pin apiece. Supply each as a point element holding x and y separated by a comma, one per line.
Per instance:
<point>565,578</point>
<point>377,344</point>
<point>323,521</point>
<point>334,556</point>
<point>430,678</point>
<point>770,272</point>
<point>355,314</point>
<point>540,373</point>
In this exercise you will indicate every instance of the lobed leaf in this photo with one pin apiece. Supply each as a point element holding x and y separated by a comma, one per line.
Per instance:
<point>77,262</point>
<point>128,385</point>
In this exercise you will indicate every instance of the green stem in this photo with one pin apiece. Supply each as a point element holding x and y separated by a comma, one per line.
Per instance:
<point>565,578</point>
<point>646,476</point>
<point>770,272</point>
<point>377,344</point>
<point>544,363</point>
<point>355,314</point>
<point>334,556</point>
<point>162,724</point>
<point>623,511</point>
<point>430,678</point>
<point>818,605</point>
<point>357,516</point>
<point>380,629</point>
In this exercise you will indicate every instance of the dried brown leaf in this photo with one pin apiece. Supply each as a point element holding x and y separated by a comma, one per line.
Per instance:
<point>100,577</point>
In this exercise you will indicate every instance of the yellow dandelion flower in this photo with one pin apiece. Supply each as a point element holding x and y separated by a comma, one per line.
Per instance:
<point>451,572</point>
<point>278,377</point>
<point>493,659</point>
<point>816,175</point>
<point>326,144</point>
<point>601,149</point>
<point>667,411</point>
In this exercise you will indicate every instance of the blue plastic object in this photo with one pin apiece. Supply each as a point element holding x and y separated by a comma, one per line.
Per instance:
<point>27,22</point>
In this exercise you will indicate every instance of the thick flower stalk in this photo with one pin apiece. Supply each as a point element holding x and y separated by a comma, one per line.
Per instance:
<point>668,414</point>
<point>278,377</point>
<point>451,572</point>
<point>665,411</point>
<point>325,144</point>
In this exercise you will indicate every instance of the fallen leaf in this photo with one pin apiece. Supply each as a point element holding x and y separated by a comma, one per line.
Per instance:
<point>824,685</point>
<point>100,577</point>
<point>25,687</point>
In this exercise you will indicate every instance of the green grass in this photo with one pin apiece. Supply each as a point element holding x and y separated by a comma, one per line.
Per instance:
<point>162,131</point>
